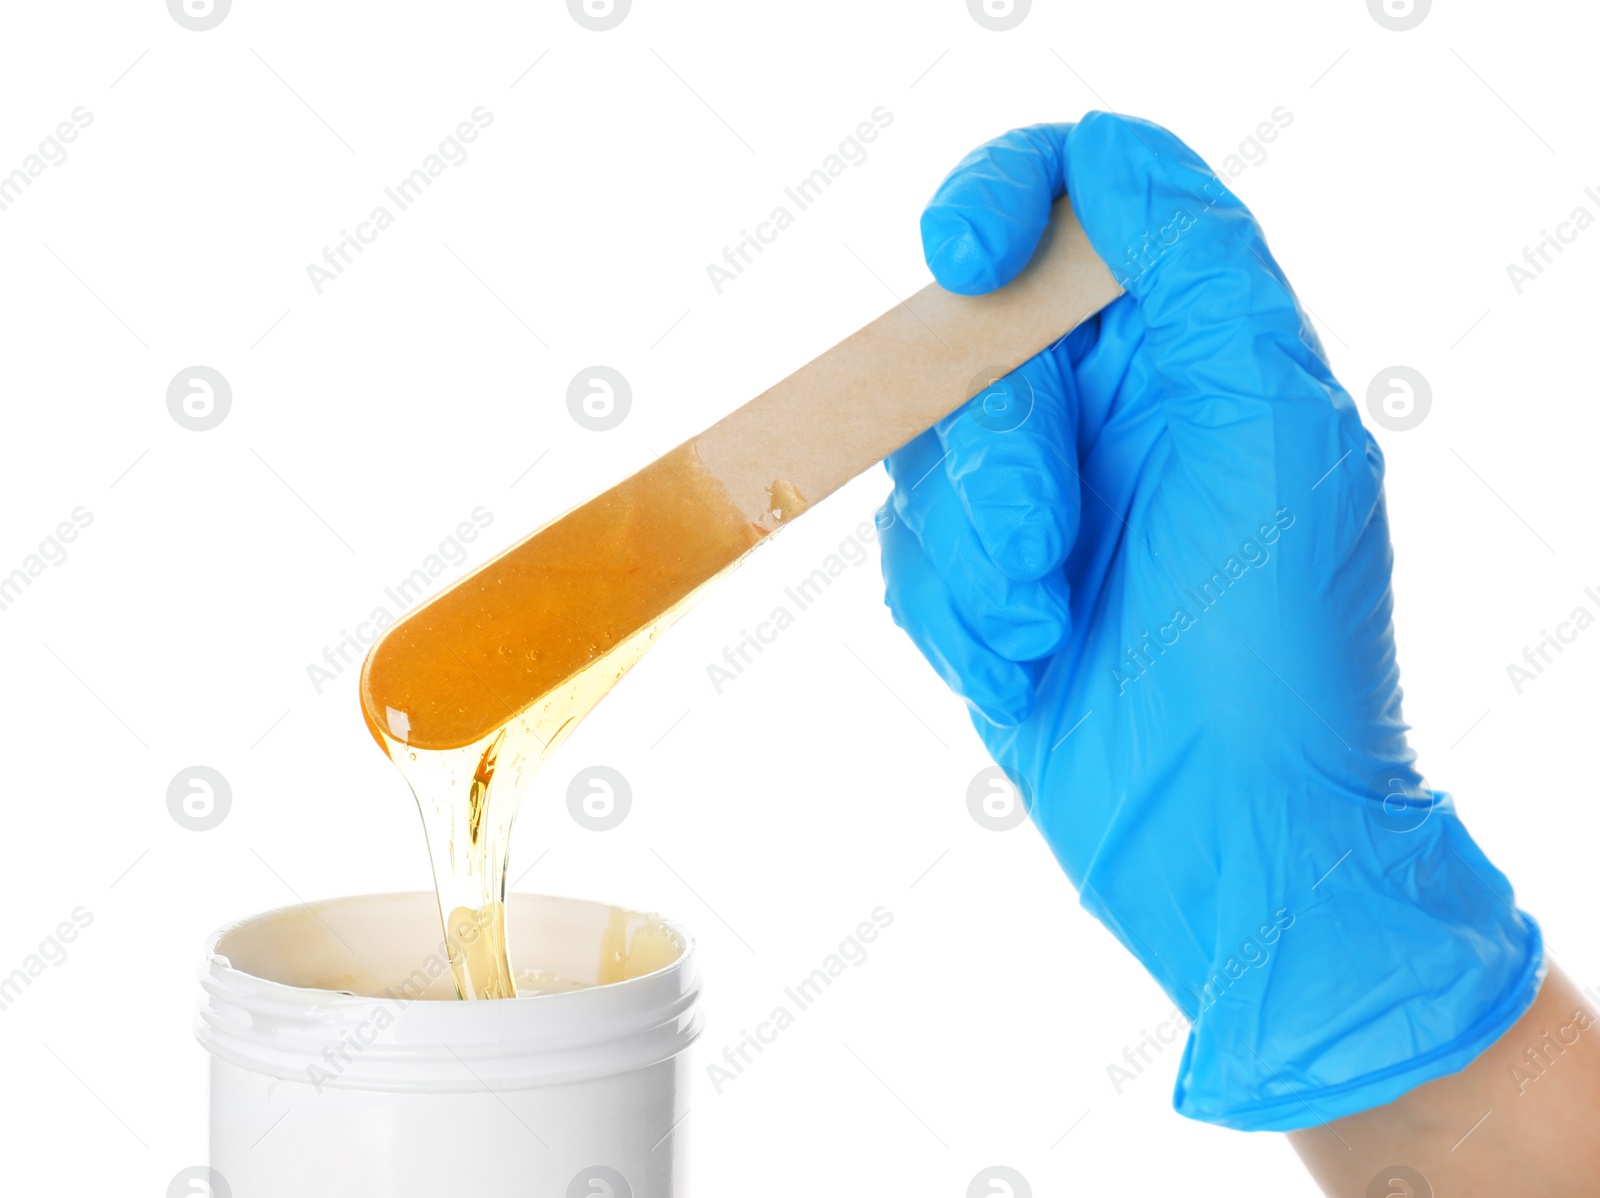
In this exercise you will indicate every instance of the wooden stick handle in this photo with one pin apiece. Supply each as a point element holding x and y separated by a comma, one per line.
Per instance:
<point>545,629</point>
<point>848,409</point>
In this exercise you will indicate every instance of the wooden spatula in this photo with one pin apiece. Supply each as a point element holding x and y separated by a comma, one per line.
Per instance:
<point>545,629</point>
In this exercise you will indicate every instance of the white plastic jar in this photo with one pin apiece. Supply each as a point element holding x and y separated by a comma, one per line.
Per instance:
<point>342,1065</point>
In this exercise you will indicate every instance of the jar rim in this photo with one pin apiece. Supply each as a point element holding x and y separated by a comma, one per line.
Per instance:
<point>345,1040</point>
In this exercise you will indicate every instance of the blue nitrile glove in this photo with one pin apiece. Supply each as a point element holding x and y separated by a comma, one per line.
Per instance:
<point>1165,594</point>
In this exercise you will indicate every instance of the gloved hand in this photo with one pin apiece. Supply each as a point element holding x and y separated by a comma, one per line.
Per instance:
<point>1165,594</point>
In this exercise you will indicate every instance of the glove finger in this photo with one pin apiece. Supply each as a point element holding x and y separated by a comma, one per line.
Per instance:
<point>985,219</point>
<point>1011,456</point>
<point>1020,619</point>
<point>1242,373</point>
<point>998,689</point>
<point>1243,381</point>
<point>1022,489</point>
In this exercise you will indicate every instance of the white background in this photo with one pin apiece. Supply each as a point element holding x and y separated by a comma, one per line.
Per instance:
<point>831,778</point>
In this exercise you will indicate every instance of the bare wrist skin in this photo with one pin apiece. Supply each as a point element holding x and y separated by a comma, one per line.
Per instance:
<point>1522,1119</point>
